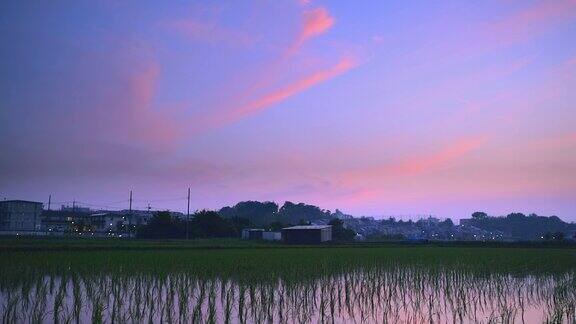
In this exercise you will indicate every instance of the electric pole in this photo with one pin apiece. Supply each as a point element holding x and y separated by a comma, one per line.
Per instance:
<point>188,215</point>
<point>130,210</point>
<point>49,201</point>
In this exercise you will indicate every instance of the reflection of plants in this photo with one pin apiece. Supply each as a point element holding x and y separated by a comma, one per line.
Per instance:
<point>390,294</point>
<point>358,285</point>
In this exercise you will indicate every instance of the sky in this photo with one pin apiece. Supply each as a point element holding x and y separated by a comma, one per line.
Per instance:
<point>373,107</point>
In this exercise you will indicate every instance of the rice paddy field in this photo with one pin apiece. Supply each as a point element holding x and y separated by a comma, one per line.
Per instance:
<point>169,283</point>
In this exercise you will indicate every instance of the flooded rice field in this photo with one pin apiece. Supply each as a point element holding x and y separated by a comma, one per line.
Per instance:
<point>345,290</point>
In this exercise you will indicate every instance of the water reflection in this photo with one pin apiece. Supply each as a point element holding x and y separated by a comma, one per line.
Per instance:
<point>376,295</point>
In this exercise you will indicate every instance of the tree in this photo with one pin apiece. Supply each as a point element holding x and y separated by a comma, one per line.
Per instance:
<point>448,223</point>
<point>516,216</point>
<point>479,215</point>
<point>204,224</point>
<point>258,213</point>
<point>558,236</point>
<point>207,223</point>
<point>339,232</point>
<point>162,226</point>
<point>291,213</point>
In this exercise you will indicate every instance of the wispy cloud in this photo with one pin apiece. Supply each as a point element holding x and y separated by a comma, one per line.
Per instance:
<point>146,124</point>
<point>558,142</point>
<point>533,20</point>
<point>298,86</point>
<point>372,183</point>
<point>315,22</point>
<point>416,163</point>
<point>278,95</point>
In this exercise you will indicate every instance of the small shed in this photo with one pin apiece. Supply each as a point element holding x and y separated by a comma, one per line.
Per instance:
<point>272,236</point>
<point>252,233</point>
<point>307,234</point>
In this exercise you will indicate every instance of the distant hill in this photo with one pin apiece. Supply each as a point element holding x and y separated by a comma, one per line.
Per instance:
<point>520,226</point>
<point>516,225</point>
<point>257,213</point>
<point>264,213</point>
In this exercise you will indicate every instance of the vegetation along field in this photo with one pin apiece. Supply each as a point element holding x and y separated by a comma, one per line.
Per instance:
<point>298,284</point>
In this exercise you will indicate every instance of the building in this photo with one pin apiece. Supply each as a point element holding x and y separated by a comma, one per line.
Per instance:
<point>108,222</point>
<point>20,215</point>
<point>272,236</point>
<point>75,208</point>
<point>252,234</point>
<point>307,234</point>
<point>53,222</point>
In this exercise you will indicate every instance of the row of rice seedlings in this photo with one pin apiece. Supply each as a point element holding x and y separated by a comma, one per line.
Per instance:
<point>390,294</point>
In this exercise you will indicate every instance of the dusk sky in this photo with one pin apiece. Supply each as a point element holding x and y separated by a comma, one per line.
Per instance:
<point>371,107</point>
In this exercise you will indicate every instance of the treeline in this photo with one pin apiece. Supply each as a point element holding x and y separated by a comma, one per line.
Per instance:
<point>202,224</point>
<point>210,224</point>
<point>265,213</point>
<point>520,226</point>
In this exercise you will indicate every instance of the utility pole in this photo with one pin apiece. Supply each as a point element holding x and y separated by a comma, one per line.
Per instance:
<point>49,201</point>
<point>188,215</point>
<point>130,210</point>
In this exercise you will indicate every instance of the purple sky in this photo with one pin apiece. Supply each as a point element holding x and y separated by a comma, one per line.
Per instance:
<point>372,107</point>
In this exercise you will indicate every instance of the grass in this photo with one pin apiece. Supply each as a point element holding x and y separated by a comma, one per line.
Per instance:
<point>265,261</point>
<point>11,243</point>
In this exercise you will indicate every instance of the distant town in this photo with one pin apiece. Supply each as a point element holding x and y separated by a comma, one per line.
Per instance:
<point>289,223</point>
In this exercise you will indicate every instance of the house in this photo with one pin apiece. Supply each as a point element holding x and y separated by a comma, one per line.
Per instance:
<point>20,215</point>
<point>307,234</point>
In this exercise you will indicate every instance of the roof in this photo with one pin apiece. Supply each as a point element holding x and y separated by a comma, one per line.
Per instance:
<point>20,201</point>
<point>98,214</point>
<point>307,227</point>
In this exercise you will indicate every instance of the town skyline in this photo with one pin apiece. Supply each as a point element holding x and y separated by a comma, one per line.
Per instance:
<point>180,205</point>
<point>442,108</point>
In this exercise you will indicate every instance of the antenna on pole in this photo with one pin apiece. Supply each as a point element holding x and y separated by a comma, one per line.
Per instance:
<point>188,215</point>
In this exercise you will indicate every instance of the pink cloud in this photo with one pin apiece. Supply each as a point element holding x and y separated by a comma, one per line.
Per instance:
<point>555,142</point>
<point>530,22</point>
<point>276,96</point>
<point>309,81</point>
<point>418,163</point>
<point>145,123</point>
<point>373,183</point>
<point>439,159</point>
<point>315,22</point>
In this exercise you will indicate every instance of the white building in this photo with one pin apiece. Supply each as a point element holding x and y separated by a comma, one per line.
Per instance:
<point>20,215</point>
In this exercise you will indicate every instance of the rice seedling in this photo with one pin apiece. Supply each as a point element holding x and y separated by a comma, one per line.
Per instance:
<point>387,285</point>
